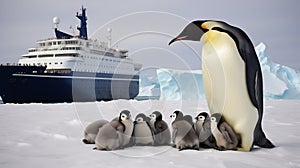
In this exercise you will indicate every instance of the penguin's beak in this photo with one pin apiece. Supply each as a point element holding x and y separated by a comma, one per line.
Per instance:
<point>134,122</point>
<point>177,39</point>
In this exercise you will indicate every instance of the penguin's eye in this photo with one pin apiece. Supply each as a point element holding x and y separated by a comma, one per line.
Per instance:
<point>123,117</point>
<point>153,116</point>
<point>139,119</point>
<point>213,119</point>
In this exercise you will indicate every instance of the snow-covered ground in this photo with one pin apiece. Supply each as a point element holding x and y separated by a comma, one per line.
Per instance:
<point>49,135</point>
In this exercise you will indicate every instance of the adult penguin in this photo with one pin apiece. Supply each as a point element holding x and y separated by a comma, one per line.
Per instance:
<point>232,78</point>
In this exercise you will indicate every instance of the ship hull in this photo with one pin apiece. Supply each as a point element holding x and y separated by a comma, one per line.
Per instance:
<point>28,84</point>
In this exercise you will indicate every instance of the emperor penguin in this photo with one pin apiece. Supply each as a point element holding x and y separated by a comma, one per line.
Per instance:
<point>226,138</point>
<point>183,135</point>
<point>162,134</point>
<point>202,127</point>
<point>92,130</point>
<point>232,78</point>
<point>142,132</point>
<point>115,134</point>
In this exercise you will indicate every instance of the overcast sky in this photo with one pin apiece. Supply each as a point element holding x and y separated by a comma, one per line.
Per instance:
<point>145,28</point>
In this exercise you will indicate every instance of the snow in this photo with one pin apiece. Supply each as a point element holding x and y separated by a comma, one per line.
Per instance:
<point>49,135</point>
<point>280,82</point>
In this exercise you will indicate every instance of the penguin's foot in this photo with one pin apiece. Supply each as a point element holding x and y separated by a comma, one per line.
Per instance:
<point>87,142</point>
<point>242,149</point>
<point>195,147</point>
<point>220,148</point>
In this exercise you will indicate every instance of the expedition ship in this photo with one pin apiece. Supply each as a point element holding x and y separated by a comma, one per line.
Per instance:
<point>70,68</point>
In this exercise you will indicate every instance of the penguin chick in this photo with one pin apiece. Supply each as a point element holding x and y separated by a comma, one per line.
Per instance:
<point>142,132</point>
<point>203,130</point>
<point>114,135</point>
<point>162,134</point>
<point>226,138</point>
<point>92,130</point>
<point>183,135</point>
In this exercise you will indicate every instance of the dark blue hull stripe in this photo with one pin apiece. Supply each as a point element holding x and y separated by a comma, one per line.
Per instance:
<point>75,77</point>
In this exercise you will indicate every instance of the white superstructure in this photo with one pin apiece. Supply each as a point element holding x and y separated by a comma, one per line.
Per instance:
<point>76,54</point>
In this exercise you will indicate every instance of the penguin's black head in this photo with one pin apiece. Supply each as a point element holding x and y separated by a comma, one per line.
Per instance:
<point>202,116</point>
<point>193,31</point>
<point>189,119</point>
<point>140,118</point>
<point>196,29</point>
<point>156,115</point>
<point>177,115</point>
<point>216,117</point>
<point>124,115</point>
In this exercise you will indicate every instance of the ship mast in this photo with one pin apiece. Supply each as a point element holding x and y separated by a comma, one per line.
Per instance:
<point>82,29</point>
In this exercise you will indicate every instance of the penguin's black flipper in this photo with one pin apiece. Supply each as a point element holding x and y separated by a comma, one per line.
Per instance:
<point>189,119</point>
<point>262,141</point>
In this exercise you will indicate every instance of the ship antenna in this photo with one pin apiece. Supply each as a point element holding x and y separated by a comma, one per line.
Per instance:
<point>56,21</point>
<point>109,37</point>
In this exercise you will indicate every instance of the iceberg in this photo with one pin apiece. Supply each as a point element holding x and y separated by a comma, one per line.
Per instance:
<point>180,85</point>
<point>149,87</point>
<point>280,82</point>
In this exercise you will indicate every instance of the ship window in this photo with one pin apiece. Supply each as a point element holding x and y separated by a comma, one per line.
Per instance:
<point>30,56</point>
<point>49,63</point>
<point>49,43</point>
<point>61,63</point>
<point>32,50</point>
<point>66,55</point>
<point>56,62</point>
<point>54,43</point>
<point>45,55</point>
<point>59,42</point>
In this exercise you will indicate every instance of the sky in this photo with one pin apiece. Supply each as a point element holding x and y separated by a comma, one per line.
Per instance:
<point>146,27</point>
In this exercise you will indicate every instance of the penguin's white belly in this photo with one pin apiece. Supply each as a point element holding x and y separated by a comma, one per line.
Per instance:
<point>225,84</point>
<point>142,134</point>
<point>128,132</point>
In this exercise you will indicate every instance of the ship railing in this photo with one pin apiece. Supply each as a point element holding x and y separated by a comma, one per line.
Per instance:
<point>20,64</point>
